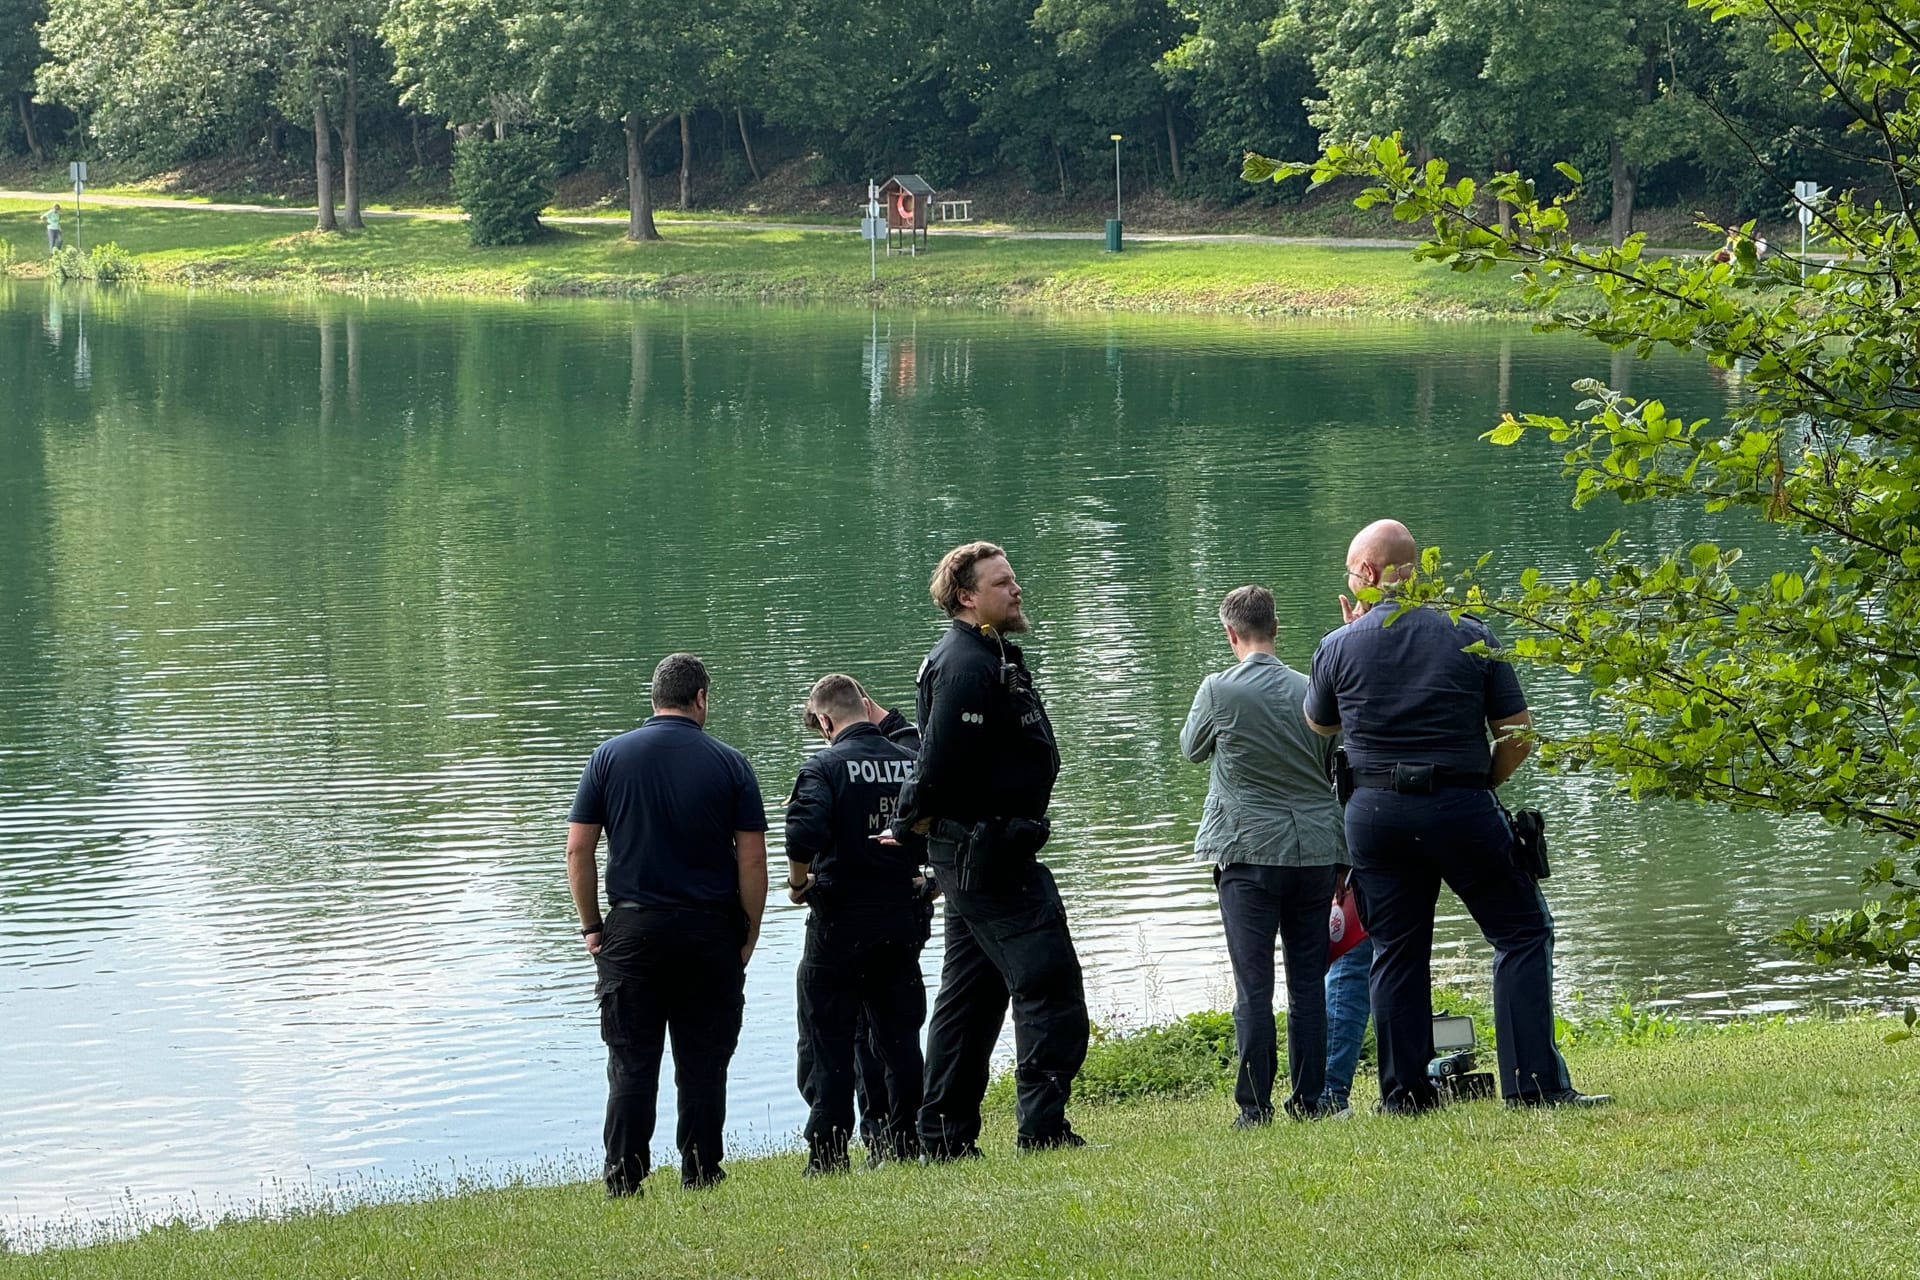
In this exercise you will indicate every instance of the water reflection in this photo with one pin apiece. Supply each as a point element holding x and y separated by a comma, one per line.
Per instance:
<point>312,610</point>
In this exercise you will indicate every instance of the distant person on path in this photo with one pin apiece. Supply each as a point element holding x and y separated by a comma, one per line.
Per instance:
<point>979,796</point>
<point>864,930</point>
<point>52,218</point>
<point>1271,830</point>
<point>686,887</point>
<point>1416,705</point>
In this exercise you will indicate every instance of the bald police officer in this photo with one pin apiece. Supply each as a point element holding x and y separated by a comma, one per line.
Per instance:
<point>1417,704</point>
<point>979,795</point>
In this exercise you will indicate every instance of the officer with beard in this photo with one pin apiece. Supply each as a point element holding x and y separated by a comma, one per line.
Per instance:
<point>979,796</point>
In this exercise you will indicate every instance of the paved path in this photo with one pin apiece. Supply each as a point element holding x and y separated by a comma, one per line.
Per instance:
<point>161,202</point>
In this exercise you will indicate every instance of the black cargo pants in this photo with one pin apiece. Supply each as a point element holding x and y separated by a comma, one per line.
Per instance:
<point>859,977</point>
<point>1007,943</point>
<point>669,972</point>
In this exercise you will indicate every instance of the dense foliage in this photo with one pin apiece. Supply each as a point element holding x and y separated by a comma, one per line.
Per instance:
<point>1634,90</point>
<point>503,184</point>
<point>1792,687</point>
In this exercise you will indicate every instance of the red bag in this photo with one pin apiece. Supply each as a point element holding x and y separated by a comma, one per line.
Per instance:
<point>1344,930</point>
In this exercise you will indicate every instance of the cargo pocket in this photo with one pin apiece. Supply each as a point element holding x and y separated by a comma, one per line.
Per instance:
<point>614,1028</point>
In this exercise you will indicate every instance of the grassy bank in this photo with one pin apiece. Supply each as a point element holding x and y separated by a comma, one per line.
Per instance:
<point>277,252</point>
<point>1771,1150</point>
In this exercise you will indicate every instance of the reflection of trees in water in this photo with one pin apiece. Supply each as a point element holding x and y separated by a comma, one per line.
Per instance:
<point>373,520</point>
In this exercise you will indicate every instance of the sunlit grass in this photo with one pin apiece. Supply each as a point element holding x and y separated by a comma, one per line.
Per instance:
<point>279,251</point>
<point>1780,1150</point>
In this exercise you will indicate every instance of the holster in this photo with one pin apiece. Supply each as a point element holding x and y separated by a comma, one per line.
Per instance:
<point>1529,842</point>
<point>997,846</point>
<point>1342,775</point>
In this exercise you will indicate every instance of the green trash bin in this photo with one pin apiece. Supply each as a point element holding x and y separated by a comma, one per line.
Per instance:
<point>1113,235</point>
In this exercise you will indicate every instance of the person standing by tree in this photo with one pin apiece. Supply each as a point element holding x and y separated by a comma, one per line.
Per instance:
<point>1416,701</point>
<point>52,220</point>
<point>686,887</point>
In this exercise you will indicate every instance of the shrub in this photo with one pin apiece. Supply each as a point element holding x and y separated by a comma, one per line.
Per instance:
<point>68,263</point>
<point>502,184</point>
<point>110,262</point>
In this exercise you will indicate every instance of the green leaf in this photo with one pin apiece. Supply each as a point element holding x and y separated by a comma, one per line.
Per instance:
<point>1568,172</point>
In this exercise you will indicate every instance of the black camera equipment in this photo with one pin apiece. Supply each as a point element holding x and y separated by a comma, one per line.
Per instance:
<point>1451,1071</point>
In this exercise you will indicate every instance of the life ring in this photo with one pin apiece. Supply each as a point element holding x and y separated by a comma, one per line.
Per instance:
<point>903,205</point>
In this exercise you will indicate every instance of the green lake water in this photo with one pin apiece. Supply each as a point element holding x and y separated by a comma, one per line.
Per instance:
<point>311,610</point>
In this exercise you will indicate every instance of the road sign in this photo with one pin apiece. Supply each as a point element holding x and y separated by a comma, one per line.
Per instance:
<point>1806,195</point>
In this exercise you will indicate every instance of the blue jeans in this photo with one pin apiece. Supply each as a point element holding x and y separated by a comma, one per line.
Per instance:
<point>1348,1007</point>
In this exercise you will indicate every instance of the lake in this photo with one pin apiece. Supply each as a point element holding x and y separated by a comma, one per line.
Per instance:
<point>312,609</point>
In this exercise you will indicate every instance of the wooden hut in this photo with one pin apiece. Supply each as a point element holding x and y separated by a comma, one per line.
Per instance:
<point>908,201</point>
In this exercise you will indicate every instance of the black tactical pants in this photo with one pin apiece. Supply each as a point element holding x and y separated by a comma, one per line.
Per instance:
<point>860,975</point>
<point>1007,942</point>
<point>665,971</point>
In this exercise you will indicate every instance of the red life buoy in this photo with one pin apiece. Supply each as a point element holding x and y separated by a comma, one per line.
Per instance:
<point>903,205</point>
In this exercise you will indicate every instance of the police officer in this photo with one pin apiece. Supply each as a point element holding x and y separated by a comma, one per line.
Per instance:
<point>686,887</point>
<point>864,928</point>
<point>1417,704</point>
<point>979,795</point>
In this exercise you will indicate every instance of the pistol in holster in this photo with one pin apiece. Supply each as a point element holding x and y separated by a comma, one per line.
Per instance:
<point>997,846</point>
<point>1342,775</point>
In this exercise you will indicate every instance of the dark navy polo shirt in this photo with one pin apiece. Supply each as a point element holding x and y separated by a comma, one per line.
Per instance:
<point>1406,691</point>
<point>670,797</point>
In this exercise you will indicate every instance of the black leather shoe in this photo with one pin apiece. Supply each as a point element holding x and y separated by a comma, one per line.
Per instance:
<point>694,1182</point>
<point>825,1168</point>
<point>948,1155</point>
<point>624,1191</point>
<point>1561,1098</point>
<point>1253,1120</point>
<point>1052,1142</point>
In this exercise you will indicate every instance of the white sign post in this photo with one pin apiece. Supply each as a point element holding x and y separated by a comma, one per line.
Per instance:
<point>872,227</point>
<point>1805,196</point>
<point>77,170</point>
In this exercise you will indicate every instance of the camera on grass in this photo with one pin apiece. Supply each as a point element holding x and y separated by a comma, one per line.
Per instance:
<point>1451,1071</point>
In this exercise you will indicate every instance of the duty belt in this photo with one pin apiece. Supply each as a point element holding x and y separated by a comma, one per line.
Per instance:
<point>1403,778</point>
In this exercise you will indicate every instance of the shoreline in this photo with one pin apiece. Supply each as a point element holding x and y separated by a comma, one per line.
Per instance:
<point>428,256</point>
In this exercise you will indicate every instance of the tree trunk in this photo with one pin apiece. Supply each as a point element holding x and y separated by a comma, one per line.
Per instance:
<point>350,144</point>
<point>1626,179</point>
<point>1060,165</point>
<point>686,163</point>
<point>419,152</point>
<point>739,114</point>
<point>323,163</point>
<point>639,199</point>
<point>26,122</point>
<point>1173,140</point>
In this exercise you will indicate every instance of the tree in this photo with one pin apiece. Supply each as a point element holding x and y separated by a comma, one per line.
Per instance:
<point>19,55</point>
<point>1793,687</point>
<point>457,59</point>
<point>640,62</point>
<point>162,79</point>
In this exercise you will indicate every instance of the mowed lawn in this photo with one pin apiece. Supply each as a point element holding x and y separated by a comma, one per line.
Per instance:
<point>279,251</point>
<point>1783,1150</point>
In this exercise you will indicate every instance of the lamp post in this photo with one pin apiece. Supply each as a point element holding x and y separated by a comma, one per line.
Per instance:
<point>1113,223</point>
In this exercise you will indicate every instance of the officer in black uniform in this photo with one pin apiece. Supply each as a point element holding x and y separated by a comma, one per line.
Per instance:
<point>864,930</point>
<point>979,795</point>
<point>1416,705</point>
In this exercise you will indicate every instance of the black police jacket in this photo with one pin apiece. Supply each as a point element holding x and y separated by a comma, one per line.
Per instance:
<point>987,748</point>
<point>844,796</point>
